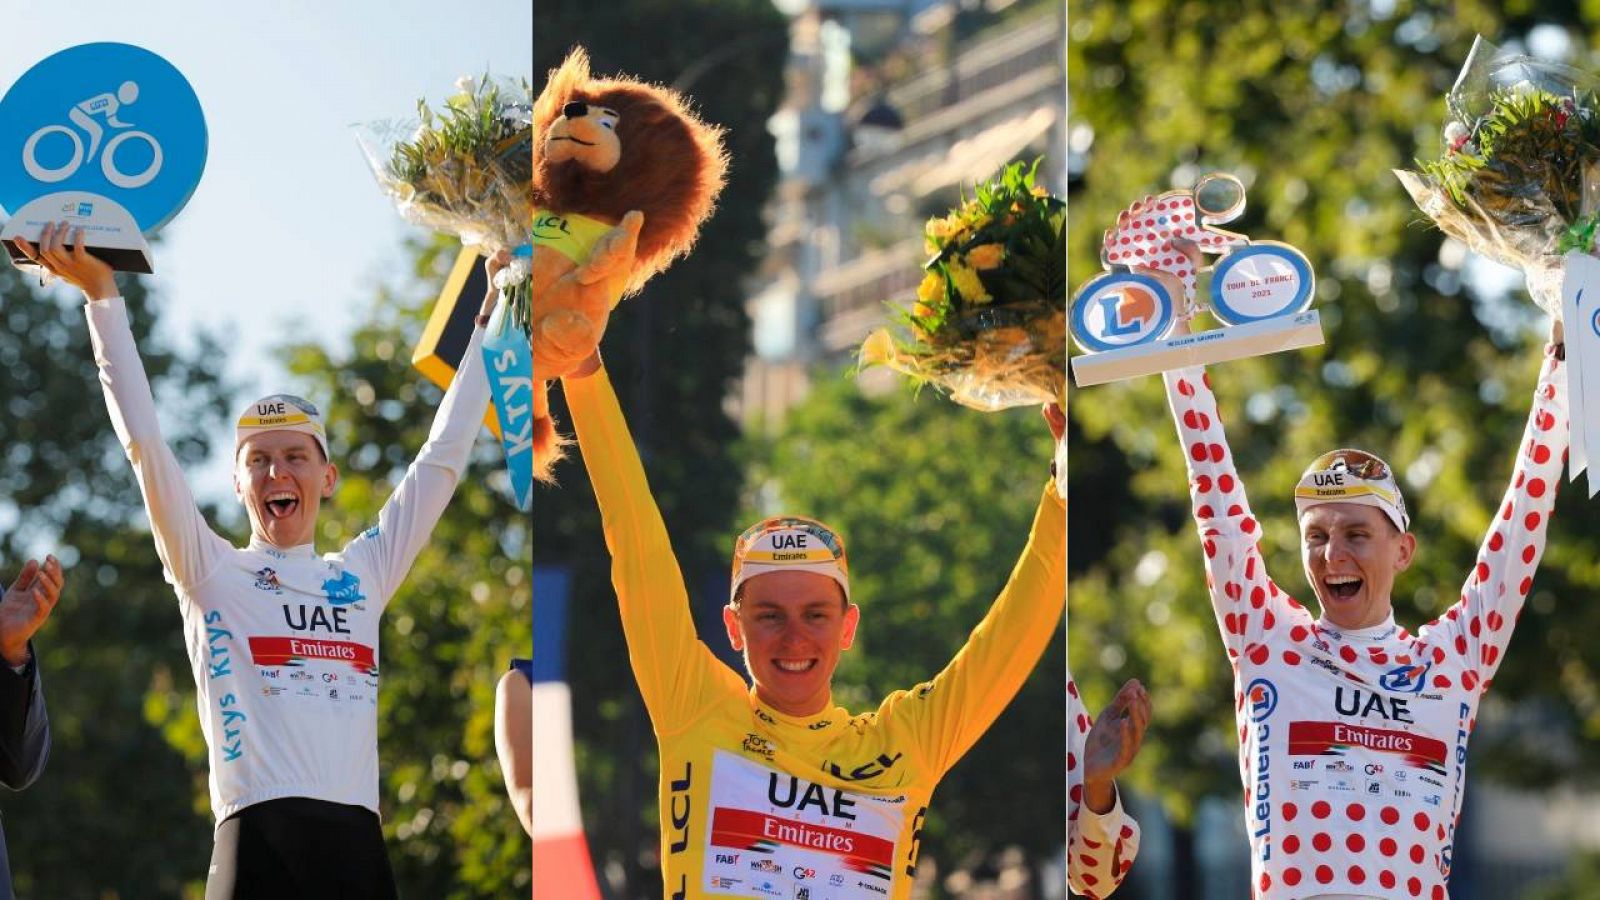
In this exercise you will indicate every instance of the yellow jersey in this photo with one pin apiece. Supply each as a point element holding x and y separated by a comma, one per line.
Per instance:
<point>758,804</point>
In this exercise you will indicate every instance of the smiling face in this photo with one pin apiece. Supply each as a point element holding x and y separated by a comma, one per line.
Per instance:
<point>1352,553</point>
<point>587,134</point>
<point>791,628</point>
<point>282,477</point>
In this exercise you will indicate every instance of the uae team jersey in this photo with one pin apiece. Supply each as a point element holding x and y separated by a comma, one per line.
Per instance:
<point>1353,744</point>
<point>283,642</point>
<point>1100,846</point>
<point>758,804</point>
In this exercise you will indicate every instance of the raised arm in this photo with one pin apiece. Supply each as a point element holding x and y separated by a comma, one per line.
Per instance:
<point>409,515</point>
<point>1244,599</point>
<point>675,671</point>
<point>1478,626</point>
<point>188,548</point>
<point>948,714</point>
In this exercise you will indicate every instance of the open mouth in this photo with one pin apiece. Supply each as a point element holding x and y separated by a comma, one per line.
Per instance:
<point>795,666</point>
<point>282,504</point>
<point>572,139</point>
<point>1342,587</point>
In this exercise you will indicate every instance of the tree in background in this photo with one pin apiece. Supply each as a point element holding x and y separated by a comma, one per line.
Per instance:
<point>674,353</point>
<point>1312,105</point>
<point>119,811</point>
<point>934,502</point>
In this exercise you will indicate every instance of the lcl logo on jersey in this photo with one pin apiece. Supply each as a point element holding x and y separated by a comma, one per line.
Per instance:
<point>1405,679</point>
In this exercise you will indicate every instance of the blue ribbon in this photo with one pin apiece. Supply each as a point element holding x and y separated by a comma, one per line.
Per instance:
<point>508,361</point>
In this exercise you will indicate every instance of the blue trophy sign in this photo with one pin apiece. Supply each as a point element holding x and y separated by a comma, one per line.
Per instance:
<point>109,137</point>
<point>1261,291</point>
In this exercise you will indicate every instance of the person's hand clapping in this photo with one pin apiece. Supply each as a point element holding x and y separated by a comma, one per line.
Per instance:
<point>72,264</point>
<point>26,605</point>
<point>1113,742</point>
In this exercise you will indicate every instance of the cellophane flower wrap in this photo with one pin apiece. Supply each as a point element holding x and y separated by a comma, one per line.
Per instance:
<point>467,169</point>
<point>1519,177</point>
<point>989,323</point>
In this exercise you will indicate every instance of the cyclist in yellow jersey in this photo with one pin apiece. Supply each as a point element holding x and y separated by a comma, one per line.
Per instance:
<point>772,790</point>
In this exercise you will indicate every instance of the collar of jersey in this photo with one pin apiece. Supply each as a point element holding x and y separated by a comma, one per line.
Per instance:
<point>303,551</point>
<point>830,712</point>
<point>1377,632</point>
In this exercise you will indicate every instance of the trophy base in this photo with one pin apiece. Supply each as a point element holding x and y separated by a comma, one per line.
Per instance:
<point>110,234</point>
<point>1207,347</point>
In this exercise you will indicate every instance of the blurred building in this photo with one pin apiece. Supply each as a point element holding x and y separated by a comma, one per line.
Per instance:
<point>892,106</point>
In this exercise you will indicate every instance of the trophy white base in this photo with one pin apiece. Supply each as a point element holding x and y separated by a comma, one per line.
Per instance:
<point>109,231</point>
<point>1218,345</point>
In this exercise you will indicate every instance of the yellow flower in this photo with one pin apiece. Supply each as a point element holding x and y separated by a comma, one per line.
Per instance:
<point>922,310</point>
<point>877,349</point>
<point>985,256</point>
<point>1039,191</point>
<point>931,290</point>
<point>968,284</point>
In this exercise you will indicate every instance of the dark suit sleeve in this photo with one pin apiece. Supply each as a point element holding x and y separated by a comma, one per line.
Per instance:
<point>24,726</point>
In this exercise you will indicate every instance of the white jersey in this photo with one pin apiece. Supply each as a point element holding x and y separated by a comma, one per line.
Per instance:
<point>1353,744</point>
<point>1100,846</point>
<point>283,643</point>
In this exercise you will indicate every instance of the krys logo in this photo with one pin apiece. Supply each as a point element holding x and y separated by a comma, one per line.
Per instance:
<point>107,119</point>
<point>344,590</point>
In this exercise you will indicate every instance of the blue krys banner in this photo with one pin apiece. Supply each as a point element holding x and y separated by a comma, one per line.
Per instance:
<point>508,360</point>
<point>111,120</point>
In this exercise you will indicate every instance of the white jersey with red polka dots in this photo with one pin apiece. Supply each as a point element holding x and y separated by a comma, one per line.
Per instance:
<point>1145,233</point>
<point>1353,744</point>
<point>1100,847</point>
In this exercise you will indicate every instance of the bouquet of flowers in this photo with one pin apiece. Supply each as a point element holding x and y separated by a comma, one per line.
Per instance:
<point>1519,182</point>
<point>467,169</point>
<point>989,322</point>
<point>1519,179</point>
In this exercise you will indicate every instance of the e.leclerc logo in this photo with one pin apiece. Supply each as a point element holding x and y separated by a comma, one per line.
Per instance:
<point>1121,310</point>
<point>108,119</point>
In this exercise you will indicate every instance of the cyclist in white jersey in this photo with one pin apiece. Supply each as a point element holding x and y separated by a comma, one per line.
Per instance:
<point>106,105</point>
<point>1353,731</point>
<point>283,642</point>
<point>1102,839</point>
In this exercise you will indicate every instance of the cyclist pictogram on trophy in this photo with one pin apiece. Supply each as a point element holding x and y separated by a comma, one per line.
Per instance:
<point>107,137</point>
<point>1261,291</point>
<point>83,116</point>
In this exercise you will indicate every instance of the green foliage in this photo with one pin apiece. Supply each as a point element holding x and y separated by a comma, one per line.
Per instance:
<point>1312,105</point>
<point>934,503</point>
<point>1581,881</point>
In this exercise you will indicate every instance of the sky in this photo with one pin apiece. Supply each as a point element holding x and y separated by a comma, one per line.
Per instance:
<point>288,230</point>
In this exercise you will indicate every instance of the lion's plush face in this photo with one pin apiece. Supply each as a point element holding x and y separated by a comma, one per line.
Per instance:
<point>650,153</point>
<point>584,135</point>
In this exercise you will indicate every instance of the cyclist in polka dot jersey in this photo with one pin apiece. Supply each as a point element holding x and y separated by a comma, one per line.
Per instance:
<point>1102,839</point>
<point>1353,731</point>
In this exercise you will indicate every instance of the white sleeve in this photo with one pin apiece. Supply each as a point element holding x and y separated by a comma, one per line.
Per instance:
<point>409,515</point>
<point>190,551</point>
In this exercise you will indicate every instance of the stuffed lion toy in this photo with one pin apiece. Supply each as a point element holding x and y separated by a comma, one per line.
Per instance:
<point>623,176</point>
